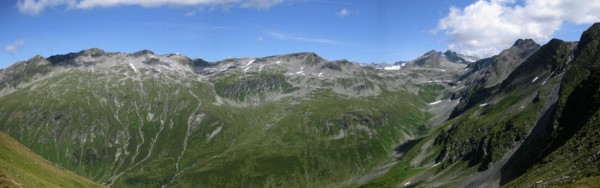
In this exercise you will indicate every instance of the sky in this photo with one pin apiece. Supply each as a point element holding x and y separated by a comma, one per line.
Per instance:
<point>366,31</point>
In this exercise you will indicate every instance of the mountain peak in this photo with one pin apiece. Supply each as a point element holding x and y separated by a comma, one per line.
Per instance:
<point>449,52</point>
<point>303,54</point>
<point>143,52</point>
<point>36,58</point>
<point>94,52</point>
<point>431,52</point>
<point>460,58</point>
<point>588,36</point>
<point>524,42</point>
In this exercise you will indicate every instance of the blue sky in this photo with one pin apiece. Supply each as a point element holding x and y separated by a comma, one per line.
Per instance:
<point>362,30</point>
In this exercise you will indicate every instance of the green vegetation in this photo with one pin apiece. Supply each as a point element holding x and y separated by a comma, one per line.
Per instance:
<point>238,86</point>
<point>124,130</point>
<point>20,167</point>
<point>124,126</point>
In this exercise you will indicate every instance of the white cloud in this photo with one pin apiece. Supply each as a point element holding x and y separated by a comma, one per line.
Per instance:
<point>14,47</point>
<point>34,7</point>
<point>488,26</point>
<point>260,4</point>
<point>260,39</point>
<point>343,13</point>
<point>282,36</point>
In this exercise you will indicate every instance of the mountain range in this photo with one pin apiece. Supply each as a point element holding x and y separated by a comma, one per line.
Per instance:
<point>524,117</point>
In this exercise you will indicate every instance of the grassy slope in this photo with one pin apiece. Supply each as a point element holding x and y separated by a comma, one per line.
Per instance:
<point>110,127</point>
<point>21,167</point>
<point>298,149</point>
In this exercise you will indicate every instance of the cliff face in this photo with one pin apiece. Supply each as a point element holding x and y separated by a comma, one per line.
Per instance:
<point>568,148</point>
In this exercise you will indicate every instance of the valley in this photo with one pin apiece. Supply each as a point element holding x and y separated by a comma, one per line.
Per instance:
<point>525,117</point>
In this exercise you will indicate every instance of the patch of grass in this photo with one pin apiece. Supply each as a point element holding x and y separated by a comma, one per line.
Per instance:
<point>21,167</point>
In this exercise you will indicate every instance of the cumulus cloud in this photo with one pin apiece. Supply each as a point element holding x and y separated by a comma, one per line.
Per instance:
<point>34,7</point>
<point>488,26</point>
<point>343,13</point>
<point>13,48</point>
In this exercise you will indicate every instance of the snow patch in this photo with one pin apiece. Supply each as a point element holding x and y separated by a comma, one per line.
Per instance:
<point>213,134</point>
<point>320,74</point>
<point>250,62</point>
<point>484,104</point>
<point>407,183</point>
<point>534,79</point>
<point>395,67</point>
<point>131,65</point>
<point>302,68</point>
<point>436,102</point>
<point>544,82</point>
<point>436,164</point>
<point>277,62</point>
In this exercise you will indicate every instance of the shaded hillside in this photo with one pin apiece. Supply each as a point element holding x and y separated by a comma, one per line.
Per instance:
<point>569,148</point>
<point>538,127</point>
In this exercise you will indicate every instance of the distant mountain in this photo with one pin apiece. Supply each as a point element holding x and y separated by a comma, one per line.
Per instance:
<point>432,59</point>
<point>460,58</point>
<point>152,120</point>
<point>435,59</point>
<point>525,117</point>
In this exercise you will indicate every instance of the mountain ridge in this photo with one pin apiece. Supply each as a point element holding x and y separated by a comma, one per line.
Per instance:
<point>147,120</point>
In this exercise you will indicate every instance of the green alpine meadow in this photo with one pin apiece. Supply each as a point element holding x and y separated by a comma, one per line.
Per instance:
<point>294,93</point>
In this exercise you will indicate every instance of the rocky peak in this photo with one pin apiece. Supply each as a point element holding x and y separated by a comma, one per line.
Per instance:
<point>431,52</point>
<point>525,43</point>
<point>143,53</point>
<point>590,35</point>
<point>36,58</point>
<point>93,52</point>
<point>460,58</point>
<point>303,55</point>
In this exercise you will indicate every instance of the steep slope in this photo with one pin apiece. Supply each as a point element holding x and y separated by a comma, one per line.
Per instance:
<point>147,120</point>
<point>536,128</point>
<point>569,148</point>
<point>20,167</point>
<point>460,58</point>
<point>482,77</point>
